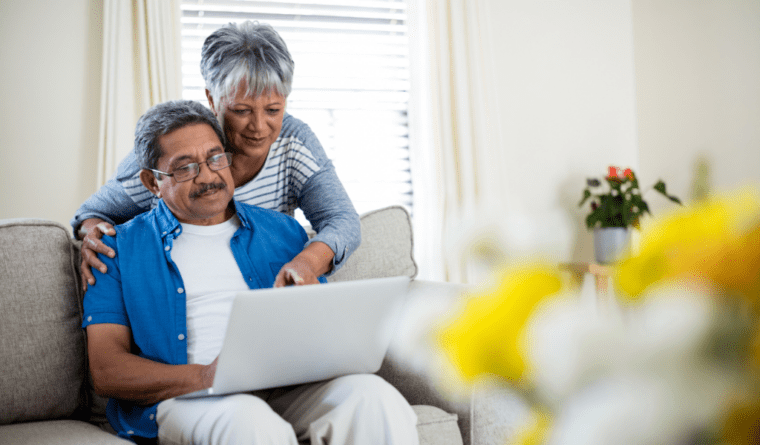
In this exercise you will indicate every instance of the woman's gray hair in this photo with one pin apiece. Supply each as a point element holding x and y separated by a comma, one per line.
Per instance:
<point>249,51</point>
<point>165,118</point>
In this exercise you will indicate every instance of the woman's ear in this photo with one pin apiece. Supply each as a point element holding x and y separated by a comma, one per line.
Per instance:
<point>210,101</point>
<point>150,182</point>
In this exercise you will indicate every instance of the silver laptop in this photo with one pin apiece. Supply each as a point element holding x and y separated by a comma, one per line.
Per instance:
<point>300,334</point>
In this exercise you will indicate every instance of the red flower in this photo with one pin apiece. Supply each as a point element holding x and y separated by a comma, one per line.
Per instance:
<point>628,173</point>
<point>613,172</point>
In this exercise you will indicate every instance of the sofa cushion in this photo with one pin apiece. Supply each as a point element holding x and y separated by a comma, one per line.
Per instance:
<point>57,432</point>
<point>386,249</point>
<point>41,344</point>
<point>436,427</point>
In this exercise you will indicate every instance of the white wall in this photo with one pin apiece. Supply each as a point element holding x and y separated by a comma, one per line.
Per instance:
<point>698,91</point>
<point>650,84</point>
<point>50,54</point>
<point>566,94</point>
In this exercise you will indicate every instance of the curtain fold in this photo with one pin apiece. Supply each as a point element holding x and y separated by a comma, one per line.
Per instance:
<point>141,68</point>
<point>465,143</point>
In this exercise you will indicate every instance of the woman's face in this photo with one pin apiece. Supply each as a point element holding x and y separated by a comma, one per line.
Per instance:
<point>252,124</point>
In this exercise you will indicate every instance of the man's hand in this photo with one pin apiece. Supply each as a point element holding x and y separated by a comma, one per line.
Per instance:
<point>207,374</point>
<point>91,231</point>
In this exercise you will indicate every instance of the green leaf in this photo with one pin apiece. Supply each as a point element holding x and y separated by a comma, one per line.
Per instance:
<point>660,187</point>
<point>586,196</point>
<point>636,201</point>
<point>591,220</point>
<point>674,199</point>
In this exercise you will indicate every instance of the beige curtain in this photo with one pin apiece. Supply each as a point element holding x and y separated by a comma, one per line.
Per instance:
<point>457,174</point>
<point>141,67</point>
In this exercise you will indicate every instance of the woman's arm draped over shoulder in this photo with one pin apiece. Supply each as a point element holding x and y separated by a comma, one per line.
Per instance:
<point>122,198</point>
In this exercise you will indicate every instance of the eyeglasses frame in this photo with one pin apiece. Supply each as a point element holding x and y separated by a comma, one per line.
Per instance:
<point>226,154</point>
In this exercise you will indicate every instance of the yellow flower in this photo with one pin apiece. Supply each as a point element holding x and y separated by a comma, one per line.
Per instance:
<point>535,431</point>
<point>487,336</point>
<point>742,424</point>
<point>718,241</point>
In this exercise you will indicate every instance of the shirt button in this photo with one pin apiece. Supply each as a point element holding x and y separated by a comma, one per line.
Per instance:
<point>167,248</point>
<point>152,416</point>
<point>89,318</point>
<point>180,290</point>
<point>164,233</point>
<point>130,432</point>
<point>181,336</point>
<point>176,231</point>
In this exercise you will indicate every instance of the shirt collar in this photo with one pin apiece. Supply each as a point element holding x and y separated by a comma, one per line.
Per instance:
<point>168,223</point>
<point>242,216</point>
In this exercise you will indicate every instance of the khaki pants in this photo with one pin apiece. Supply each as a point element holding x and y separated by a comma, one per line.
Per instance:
<point>359,409</point>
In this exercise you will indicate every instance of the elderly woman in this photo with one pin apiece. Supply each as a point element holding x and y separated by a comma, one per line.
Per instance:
<point>278,163</point>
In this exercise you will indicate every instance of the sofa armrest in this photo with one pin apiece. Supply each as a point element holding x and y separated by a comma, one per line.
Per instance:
<point>41,343</point>
<point>491,415</point>
<point>407,365</point>
<point>497,415</point>
<point>417,389</point>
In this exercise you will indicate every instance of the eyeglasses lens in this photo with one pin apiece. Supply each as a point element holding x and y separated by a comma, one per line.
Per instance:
<point>190,171</point>
<point>219,162</point>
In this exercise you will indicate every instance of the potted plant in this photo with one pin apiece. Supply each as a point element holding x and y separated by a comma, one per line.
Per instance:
<point>616,205</point>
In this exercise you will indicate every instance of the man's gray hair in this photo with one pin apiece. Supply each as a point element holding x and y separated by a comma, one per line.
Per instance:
<point>249,51</point>
<point>165,118</point>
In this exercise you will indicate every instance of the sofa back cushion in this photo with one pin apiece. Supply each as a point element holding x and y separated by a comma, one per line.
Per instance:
<point>42,358</point>
<point>386,249</point>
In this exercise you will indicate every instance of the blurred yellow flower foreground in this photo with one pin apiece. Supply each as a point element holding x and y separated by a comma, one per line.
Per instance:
<point>716,241</point>
<point>677,367</point>
<point>487,338</point>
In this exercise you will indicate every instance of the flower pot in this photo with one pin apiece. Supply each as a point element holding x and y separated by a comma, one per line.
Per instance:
<point>609,243</point>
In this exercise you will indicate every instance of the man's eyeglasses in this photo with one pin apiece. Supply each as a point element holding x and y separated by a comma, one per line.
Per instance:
<point>190,171</point>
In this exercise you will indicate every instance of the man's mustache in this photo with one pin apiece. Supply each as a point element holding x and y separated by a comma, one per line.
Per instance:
<point>206,187</point>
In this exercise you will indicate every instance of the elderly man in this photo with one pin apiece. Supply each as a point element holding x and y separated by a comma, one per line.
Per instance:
<point>155,321</point>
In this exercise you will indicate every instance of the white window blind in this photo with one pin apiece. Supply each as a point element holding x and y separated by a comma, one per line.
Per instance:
<point>351,82</point>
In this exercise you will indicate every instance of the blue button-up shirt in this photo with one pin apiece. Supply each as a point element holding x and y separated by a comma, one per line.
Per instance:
<point>144,291</point>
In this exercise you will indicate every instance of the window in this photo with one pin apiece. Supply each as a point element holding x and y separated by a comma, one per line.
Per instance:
<point>351,82</point>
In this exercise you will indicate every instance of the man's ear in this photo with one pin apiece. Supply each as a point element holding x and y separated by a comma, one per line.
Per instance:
<point>150,182</point>
<point>210,101</point>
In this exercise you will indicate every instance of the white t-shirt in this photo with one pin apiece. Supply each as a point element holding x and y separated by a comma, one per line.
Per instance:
<point>212,278</point>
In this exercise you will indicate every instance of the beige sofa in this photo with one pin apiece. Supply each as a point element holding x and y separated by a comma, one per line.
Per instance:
<point>45,396</point>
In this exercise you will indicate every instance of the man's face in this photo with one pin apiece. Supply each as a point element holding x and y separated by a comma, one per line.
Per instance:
<point>203,200</point>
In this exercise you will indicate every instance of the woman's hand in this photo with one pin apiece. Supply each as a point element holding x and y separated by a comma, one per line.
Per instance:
<point>93,230</point>
<point>306,268</point>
